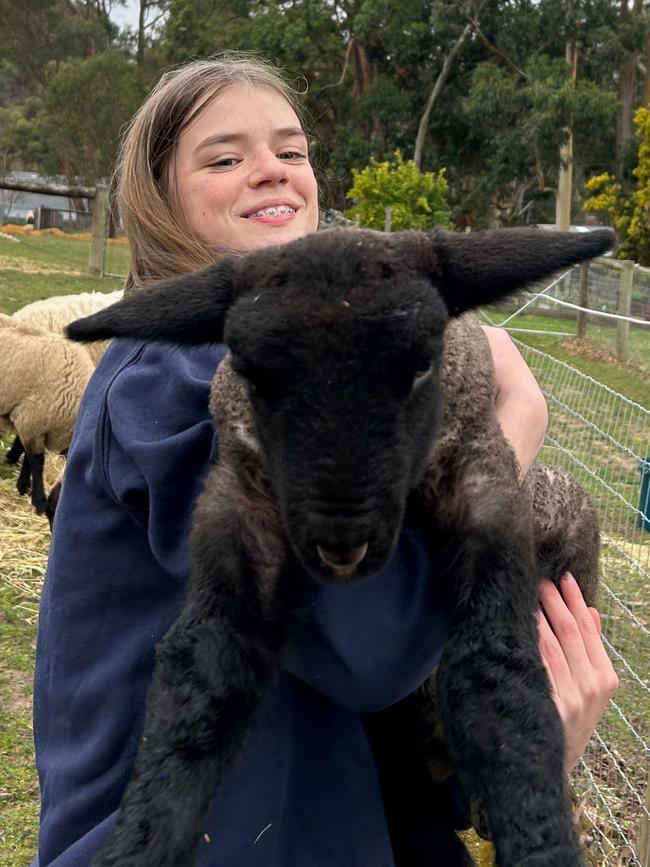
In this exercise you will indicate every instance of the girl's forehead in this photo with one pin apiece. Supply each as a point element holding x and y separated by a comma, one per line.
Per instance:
<point>232,106</point>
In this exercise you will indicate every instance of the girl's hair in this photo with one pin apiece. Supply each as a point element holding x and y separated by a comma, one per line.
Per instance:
<point>161,245</point>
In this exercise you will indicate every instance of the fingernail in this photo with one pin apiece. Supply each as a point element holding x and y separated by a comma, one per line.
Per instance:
<point>568,578</point>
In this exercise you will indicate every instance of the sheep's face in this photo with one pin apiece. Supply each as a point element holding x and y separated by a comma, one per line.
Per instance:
<point>344,383</point>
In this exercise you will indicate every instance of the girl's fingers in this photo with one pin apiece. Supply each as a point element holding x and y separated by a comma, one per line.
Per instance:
<point>588,624</point>
<point>552,656</point>
<point>568,629</point>
<point>596,617</point>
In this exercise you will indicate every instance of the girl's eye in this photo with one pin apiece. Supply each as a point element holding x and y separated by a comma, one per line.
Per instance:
<point>292,155</point>
<point>224,162</point>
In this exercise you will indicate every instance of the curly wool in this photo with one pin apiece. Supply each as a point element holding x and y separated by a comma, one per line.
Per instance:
<point>55,313</point>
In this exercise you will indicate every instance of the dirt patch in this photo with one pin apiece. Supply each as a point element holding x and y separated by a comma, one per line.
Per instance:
<point>15,689</point>
<point>593,352</point>
<point>8,263</point>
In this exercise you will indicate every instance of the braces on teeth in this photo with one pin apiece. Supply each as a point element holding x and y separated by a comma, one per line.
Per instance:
<point>280,211</point>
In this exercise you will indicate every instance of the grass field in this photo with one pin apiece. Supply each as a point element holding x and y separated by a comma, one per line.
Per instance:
<point>30,268</point>
<point>37,267</point>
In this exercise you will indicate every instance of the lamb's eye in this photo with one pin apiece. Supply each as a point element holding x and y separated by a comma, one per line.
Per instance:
<point>422,374</point>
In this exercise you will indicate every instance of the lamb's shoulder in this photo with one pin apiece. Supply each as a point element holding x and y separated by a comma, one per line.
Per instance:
<point>231,410</point>
<point>467,381</point>
<point>240,476</point>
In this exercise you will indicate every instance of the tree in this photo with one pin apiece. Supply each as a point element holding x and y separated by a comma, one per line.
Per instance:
<point>471,13</point>
<point>418,200</point>
<point>628,213</point>
<point>39,35</point>
<point>83,111</point>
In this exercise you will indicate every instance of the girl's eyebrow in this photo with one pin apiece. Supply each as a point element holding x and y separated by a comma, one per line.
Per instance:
<point>227,137</point>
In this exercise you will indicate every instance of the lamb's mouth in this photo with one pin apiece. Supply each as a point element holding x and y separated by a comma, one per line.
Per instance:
<point>273,211</point>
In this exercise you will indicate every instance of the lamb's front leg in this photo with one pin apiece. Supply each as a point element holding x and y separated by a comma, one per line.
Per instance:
<point>502,728</point>
<point>211,670</point>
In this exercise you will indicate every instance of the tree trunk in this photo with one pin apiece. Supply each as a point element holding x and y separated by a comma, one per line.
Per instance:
<point>627,85</point>
<point>361,66</point>
<point>435,93</point>
<point>646,84</point>
<point>626,94</point>
<point>141,17</point>
<point>565,178</point>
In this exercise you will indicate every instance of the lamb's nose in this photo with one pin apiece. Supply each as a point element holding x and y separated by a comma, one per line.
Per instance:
<point>343,560</point>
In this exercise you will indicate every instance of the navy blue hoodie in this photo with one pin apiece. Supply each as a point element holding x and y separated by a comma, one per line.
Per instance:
<point>304,792</point>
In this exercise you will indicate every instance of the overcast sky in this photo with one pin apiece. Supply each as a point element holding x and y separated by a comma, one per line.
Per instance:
<point>126,16</point>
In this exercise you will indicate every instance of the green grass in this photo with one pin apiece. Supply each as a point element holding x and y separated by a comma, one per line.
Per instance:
<point>39,267</point>
<point>18,782</point>
<point>48,250</point>
<point>595,356</point>
<point>602,335</point>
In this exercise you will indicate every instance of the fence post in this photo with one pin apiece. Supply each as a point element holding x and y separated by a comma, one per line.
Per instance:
<point>643,850</point>
<point>388,218</point>
<point>583,300</point>
<point>99,230</point>
<point>624,308</point>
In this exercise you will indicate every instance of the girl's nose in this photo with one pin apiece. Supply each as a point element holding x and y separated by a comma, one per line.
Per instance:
<point>268,168</point>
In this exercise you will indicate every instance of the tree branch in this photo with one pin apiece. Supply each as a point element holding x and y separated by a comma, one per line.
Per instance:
<point>348,51</point>
<point>435,93</point>
<point>491,47</point>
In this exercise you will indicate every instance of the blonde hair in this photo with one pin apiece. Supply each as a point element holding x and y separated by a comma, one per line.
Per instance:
<point>161,244</point>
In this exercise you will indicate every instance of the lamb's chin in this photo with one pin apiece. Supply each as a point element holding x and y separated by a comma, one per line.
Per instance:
<point>374,561</point>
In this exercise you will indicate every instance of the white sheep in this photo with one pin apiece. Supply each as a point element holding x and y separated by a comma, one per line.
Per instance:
<point>53,314</point>
<point>42,378</point>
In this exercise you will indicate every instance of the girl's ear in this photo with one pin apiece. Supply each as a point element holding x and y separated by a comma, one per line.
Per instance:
<point>480,267</point>
<point>189,309</point>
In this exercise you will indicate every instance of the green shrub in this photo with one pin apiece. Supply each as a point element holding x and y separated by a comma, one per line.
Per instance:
<point>418,199</point>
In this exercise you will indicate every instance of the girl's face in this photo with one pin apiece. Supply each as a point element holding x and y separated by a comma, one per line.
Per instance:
<point>241,173</point>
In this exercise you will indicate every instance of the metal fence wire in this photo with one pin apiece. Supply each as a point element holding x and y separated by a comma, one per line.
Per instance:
<point>604,286</point>
<point>603,439</point>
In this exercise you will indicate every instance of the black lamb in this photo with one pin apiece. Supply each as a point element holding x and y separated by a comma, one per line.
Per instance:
<point>355,393</point>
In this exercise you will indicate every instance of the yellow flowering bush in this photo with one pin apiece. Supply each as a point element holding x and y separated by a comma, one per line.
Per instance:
<point>628,213</point>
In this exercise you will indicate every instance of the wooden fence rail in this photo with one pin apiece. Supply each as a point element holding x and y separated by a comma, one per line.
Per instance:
<point>98,194</point>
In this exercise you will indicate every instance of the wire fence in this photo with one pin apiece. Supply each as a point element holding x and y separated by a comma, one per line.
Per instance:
<point>603,439</point>
<point>604,292</point>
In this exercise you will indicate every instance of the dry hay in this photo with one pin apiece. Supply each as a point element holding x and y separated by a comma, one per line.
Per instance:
<point>13,229</point>
<point>25,540</point>
<point>8,263</point>
<point>638,551</point>
<point>595,352</point>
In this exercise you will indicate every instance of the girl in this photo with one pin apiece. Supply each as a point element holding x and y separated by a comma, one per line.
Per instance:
<point>216,160</point>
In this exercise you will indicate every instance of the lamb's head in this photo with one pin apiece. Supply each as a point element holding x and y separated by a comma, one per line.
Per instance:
<point>339,336</point>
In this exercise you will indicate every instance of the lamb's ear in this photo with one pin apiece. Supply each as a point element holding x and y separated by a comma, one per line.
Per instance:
<point>480,267</point>
<point>189,309</point>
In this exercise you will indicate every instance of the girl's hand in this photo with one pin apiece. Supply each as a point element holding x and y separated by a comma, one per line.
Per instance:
<point>581,674</point>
